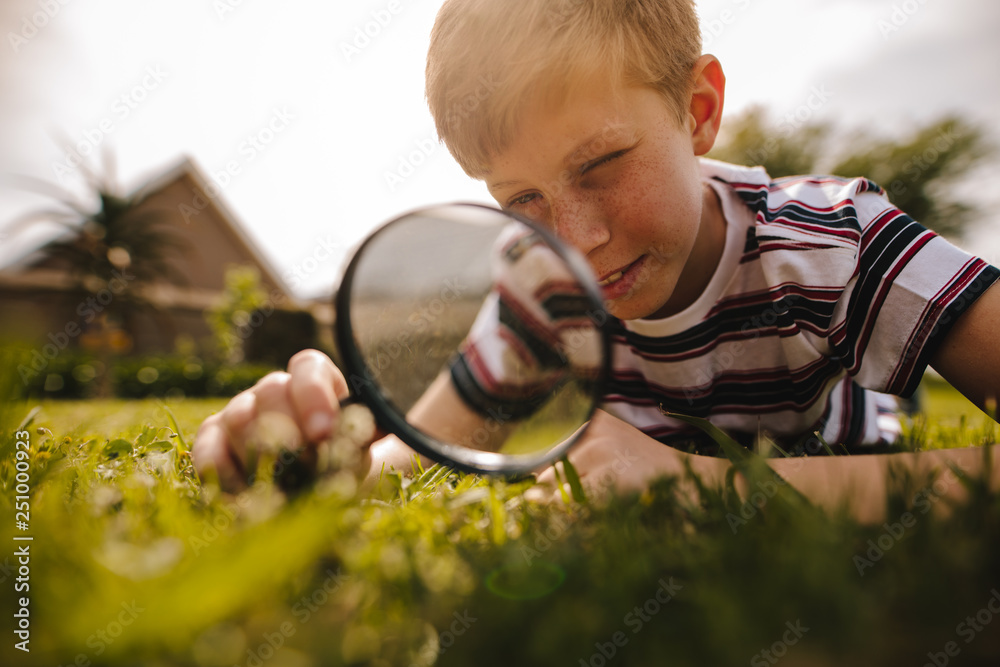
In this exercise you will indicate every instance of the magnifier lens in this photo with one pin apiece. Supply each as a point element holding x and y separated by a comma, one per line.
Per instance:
<point>475,337</point>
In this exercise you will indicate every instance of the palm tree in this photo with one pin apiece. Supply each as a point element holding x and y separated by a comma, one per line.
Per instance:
<point>110,247</point>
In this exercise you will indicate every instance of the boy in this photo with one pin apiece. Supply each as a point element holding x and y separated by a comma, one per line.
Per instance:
<point>778,307</point>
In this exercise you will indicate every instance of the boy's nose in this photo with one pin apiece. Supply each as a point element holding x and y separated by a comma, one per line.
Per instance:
<point>581,224</point>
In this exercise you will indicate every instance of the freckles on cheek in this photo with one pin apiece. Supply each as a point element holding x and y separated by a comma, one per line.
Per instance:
<point>648,211</point>
<point>637,197</point>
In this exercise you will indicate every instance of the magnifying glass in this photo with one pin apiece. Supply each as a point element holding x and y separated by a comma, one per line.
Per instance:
<point>475,336</point>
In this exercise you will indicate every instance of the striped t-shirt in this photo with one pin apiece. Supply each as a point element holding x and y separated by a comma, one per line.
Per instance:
<point>825,295</point>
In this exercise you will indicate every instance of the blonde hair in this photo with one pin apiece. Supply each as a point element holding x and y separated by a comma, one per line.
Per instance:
<point>488,58</point>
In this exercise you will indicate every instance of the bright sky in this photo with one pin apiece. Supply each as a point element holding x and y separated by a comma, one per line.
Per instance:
<point>208,78</point>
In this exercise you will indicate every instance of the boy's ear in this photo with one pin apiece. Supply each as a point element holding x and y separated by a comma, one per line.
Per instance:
<point>707,96</point>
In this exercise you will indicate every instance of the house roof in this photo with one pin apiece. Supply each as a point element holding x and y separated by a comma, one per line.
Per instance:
<point>210,227</point>
<point>187,170</point>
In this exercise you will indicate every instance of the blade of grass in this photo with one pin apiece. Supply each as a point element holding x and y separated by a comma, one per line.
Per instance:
<point>826,445</point>
<point>175,426</point>
<point>559,484</point>
<point>753,467</point>
<point>498,514</point>
<point>29,418</point>
<point>780,450</point>
<point>575,486</point>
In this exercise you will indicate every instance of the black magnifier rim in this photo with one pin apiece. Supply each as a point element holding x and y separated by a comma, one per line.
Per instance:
<point>390,418</point>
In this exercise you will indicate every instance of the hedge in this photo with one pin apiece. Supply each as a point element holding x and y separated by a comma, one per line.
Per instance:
<point>76,375</point>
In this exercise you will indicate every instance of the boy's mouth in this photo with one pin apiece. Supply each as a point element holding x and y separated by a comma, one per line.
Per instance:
<point>616,284</point>
<point>613,278</point>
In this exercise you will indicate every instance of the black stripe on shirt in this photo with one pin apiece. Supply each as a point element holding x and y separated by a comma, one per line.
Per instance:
<point>731,392</point>
<point>987,276</point>
<point>880,260</point>
<point>488,404</point>
<point>567,306</point>
<point>781,311</point>
<point>543,351</point>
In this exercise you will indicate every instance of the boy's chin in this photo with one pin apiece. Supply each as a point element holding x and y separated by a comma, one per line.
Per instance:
<point>632,309</point>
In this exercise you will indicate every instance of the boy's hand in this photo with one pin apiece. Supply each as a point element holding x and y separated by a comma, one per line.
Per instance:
<point>615,457</point>
<point>302,404</point>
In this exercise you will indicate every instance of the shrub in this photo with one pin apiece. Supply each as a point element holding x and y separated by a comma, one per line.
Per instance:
<point>76,375</point>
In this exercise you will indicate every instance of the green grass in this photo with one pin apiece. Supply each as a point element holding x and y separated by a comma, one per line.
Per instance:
<point>135,562</point>
<point>123,418</point>
<point>944,405</point>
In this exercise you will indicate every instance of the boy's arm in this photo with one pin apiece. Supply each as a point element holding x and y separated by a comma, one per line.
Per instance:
<point>861,483</point>
<point>615,456</point>
<point>969,356</point>
<point>442,414</point>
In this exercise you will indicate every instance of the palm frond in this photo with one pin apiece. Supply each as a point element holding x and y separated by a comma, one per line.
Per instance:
<point>62,218</point>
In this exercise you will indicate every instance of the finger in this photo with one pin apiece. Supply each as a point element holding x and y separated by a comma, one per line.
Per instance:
<point>392,453</point>
<point>275,426</point>
<point>236,418</point>
<point>547,487</point>
<point>546,493</point>
<point>540,495</point>
<point>211,454</point>
<point>315,386</point>
<point>546,477</point>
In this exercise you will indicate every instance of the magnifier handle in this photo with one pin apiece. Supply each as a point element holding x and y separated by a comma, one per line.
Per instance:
<point>353,399</point>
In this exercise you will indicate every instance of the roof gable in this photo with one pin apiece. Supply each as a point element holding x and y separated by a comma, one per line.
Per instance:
<point>191,208</point>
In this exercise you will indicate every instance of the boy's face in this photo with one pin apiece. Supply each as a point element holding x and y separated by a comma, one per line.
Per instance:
<point>618,179</point>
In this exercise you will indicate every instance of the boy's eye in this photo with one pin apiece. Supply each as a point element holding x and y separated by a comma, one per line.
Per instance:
<point>521,200</point>
<point>531,205</point>
<point>602,160</point>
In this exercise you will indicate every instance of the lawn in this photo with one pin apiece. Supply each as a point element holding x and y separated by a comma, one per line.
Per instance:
<point>134,561</point>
